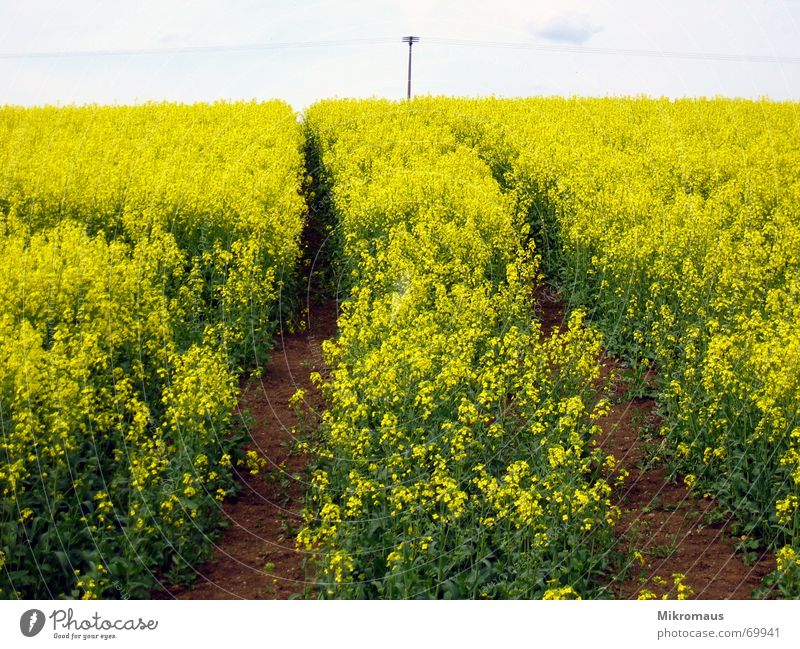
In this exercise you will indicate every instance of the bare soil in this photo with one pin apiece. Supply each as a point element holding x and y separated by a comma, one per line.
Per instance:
<point>676,531</point>
<point>256,558</point>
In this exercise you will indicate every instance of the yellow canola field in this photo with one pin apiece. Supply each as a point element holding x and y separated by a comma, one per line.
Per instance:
<point>143,252</point>
<point>456,457</point>
<point>677,225</point>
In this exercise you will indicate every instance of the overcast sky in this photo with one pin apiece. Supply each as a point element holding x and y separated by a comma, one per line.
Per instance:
<point>301,75</point>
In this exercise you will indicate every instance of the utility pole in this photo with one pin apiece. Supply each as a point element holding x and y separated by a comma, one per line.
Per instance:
<point>410,40</point>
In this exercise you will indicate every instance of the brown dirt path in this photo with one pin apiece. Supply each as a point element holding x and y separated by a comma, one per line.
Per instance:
<point>255,558</point>
<point>675,530</point>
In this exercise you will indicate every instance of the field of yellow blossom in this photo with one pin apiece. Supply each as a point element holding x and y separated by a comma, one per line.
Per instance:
<point>146,254</point>
<point>676,224</point>
<point>456,457</point>
<point>142,253</point>
<point>673,225</point>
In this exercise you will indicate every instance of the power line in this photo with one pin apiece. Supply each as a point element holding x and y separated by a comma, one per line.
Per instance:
<point>199,49</point>
<point>571,49</point>
<point>580,49</point>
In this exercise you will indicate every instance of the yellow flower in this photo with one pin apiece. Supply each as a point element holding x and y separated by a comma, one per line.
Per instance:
<point>787,558</point>
<point>785,509</point>
<point>564,592</point>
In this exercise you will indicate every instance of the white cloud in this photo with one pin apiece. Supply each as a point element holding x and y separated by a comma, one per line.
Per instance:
<point>568,28</point>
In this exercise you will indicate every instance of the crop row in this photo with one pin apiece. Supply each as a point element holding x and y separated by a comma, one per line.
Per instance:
<point>456,455</point>
<point>675,224</point>
<point>145,253</point>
